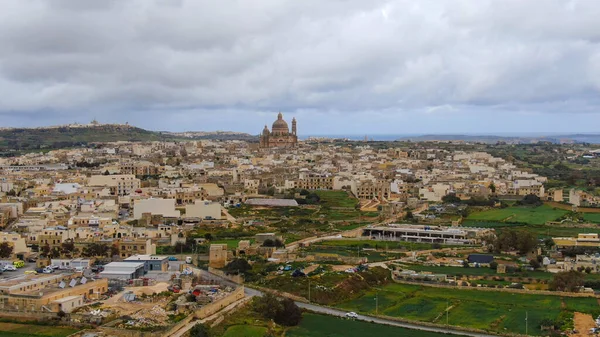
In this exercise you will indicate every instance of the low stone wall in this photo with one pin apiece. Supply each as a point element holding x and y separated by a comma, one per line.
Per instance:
<point>207,310</point>
<point>506,290</point>
<point>234,278</point>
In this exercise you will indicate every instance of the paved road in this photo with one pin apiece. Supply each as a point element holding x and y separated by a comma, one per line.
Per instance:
<point>340,313</point>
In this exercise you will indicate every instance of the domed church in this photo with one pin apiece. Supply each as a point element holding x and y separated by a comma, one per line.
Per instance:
<point>280,135</point>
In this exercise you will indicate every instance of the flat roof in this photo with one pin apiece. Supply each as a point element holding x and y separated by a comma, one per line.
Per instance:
<point>67,299</point>
<point>123,264</point>
<point>146,257</point>
<point>116,272</point>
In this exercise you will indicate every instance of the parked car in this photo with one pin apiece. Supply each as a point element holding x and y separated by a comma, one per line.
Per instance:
<point>19,264</point>
<point>9,267</point>
<point>188,259</point>
<point>30,272</point>
<point>48,270</point>
<point>351,314</point>
<point>172,258</point>
<point>39,270</point>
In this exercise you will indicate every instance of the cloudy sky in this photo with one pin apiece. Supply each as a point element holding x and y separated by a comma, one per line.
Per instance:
<point>339,67</point>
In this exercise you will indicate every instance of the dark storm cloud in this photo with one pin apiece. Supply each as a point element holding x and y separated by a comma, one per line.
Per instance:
<point>144,60</point>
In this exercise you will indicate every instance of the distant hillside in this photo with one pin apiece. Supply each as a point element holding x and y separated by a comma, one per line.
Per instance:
<point>15,140</point>
<point>221,135</point>
<point>491,139</point>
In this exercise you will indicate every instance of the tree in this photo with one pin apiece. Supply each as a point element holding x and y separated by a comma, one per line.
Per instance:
<point>267,305</point>
<point>535,264</point>
<point>492,188</point>
<point>465,264</point>
<point>208,236</point>
<point>451,198</point>
<point>237,266</point>
<point>199,330</point>
<point>45,250</point>
<point>68,248</point>
<point>289,314</point>
<point>11,193</point>
<point>494,265</point>
<point>268,243</point>
<point>567,281</point>
<point>530,200</point>
<point>284,312</point>
<point>6,250</point>
<point>409,215</point>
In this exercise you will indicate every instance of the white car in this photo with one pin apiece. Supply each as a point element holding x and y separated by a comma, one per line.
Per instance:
<point>9,267</point>
<point>351,314</point>
<point>48,270</point>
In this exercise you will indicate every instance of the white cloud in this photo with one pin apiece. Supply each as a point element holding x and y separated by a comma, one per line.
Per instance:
<point>126,59</point>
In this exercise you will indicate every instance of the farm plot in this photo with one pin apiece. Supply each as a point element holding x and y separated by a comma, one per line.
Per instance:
<point>516,214</point>
<point>486,310</point>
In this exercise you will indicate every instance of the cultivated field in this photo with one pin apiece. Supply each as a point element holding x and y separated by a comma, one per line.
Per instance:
<point>32,330</point>
<point>245,331</point>
<point>330,326</point>
<point>485,310</point>
<point>517,214</point>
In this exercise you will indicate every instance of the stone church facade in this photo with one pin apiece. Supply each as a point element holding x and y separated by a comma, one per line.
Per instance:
<point>280,135</point>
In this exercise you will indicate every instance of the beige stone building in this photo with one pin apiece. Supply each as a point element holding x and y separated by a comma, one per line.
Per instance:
<point>49,292</point>
<point>119,184</point>
<point>217,257</point>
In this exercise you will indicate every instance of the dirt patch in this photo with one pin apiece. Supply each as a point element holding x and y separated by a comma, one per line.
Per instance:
<point>149,290</point>
<point>583,323</point>
<point>311,268</point>
<point>341,267</point>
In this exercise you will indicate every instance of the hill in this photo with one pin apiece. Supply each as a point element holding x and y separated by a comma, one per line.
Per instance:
<point>221,135</point>
<point>20,140</point>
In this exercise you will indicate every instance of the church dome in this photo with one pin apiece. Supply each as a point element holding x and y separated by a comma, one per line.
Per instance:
<point>280,126</point>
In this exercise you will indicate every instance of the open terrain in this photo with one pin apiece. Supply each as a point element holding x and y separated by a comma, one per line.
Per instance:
<point>485,310</point>
<point>519,214</point>
<point>330,326</point>
<point>32,330</point>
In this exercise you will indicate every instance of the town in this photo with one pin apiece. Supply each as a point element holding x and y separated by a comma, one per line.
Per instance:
<point>164,238</point>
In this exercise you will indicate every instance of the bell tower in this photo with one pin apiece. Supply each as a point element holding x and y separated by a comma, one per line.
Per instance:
<point>294,126</point>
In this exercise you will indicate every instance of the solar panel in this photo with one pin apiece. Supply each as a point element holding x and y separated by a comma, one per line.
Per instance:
<point>62,284</point>
<point>83,280</point>
<point>73,283</point>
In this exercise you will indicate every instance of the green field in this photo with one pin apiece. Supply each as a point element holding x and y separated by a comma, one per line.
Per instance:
<point>336,199</point>
<point>245,331</point>
<point>372,256</point>
<point>592,217</point>
<point>485,310</point>
<point>330,326</point>
<point>231,244</point>
<point>392,245</point>
<point>32,330</point>
<point>535,216</point>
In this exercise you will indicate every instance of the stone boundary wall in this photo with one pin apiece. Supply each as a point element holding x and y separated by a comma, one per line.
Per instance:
<point>207,310</point>
<point>506,290</point>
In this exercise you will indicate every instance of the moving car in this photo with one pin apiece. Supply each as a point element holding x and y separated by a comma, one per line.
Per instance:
<point>351,314</point>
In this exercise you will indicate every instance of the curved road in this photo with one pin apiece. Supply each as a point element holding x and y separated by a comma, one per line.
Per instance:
<point>340,313</point>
